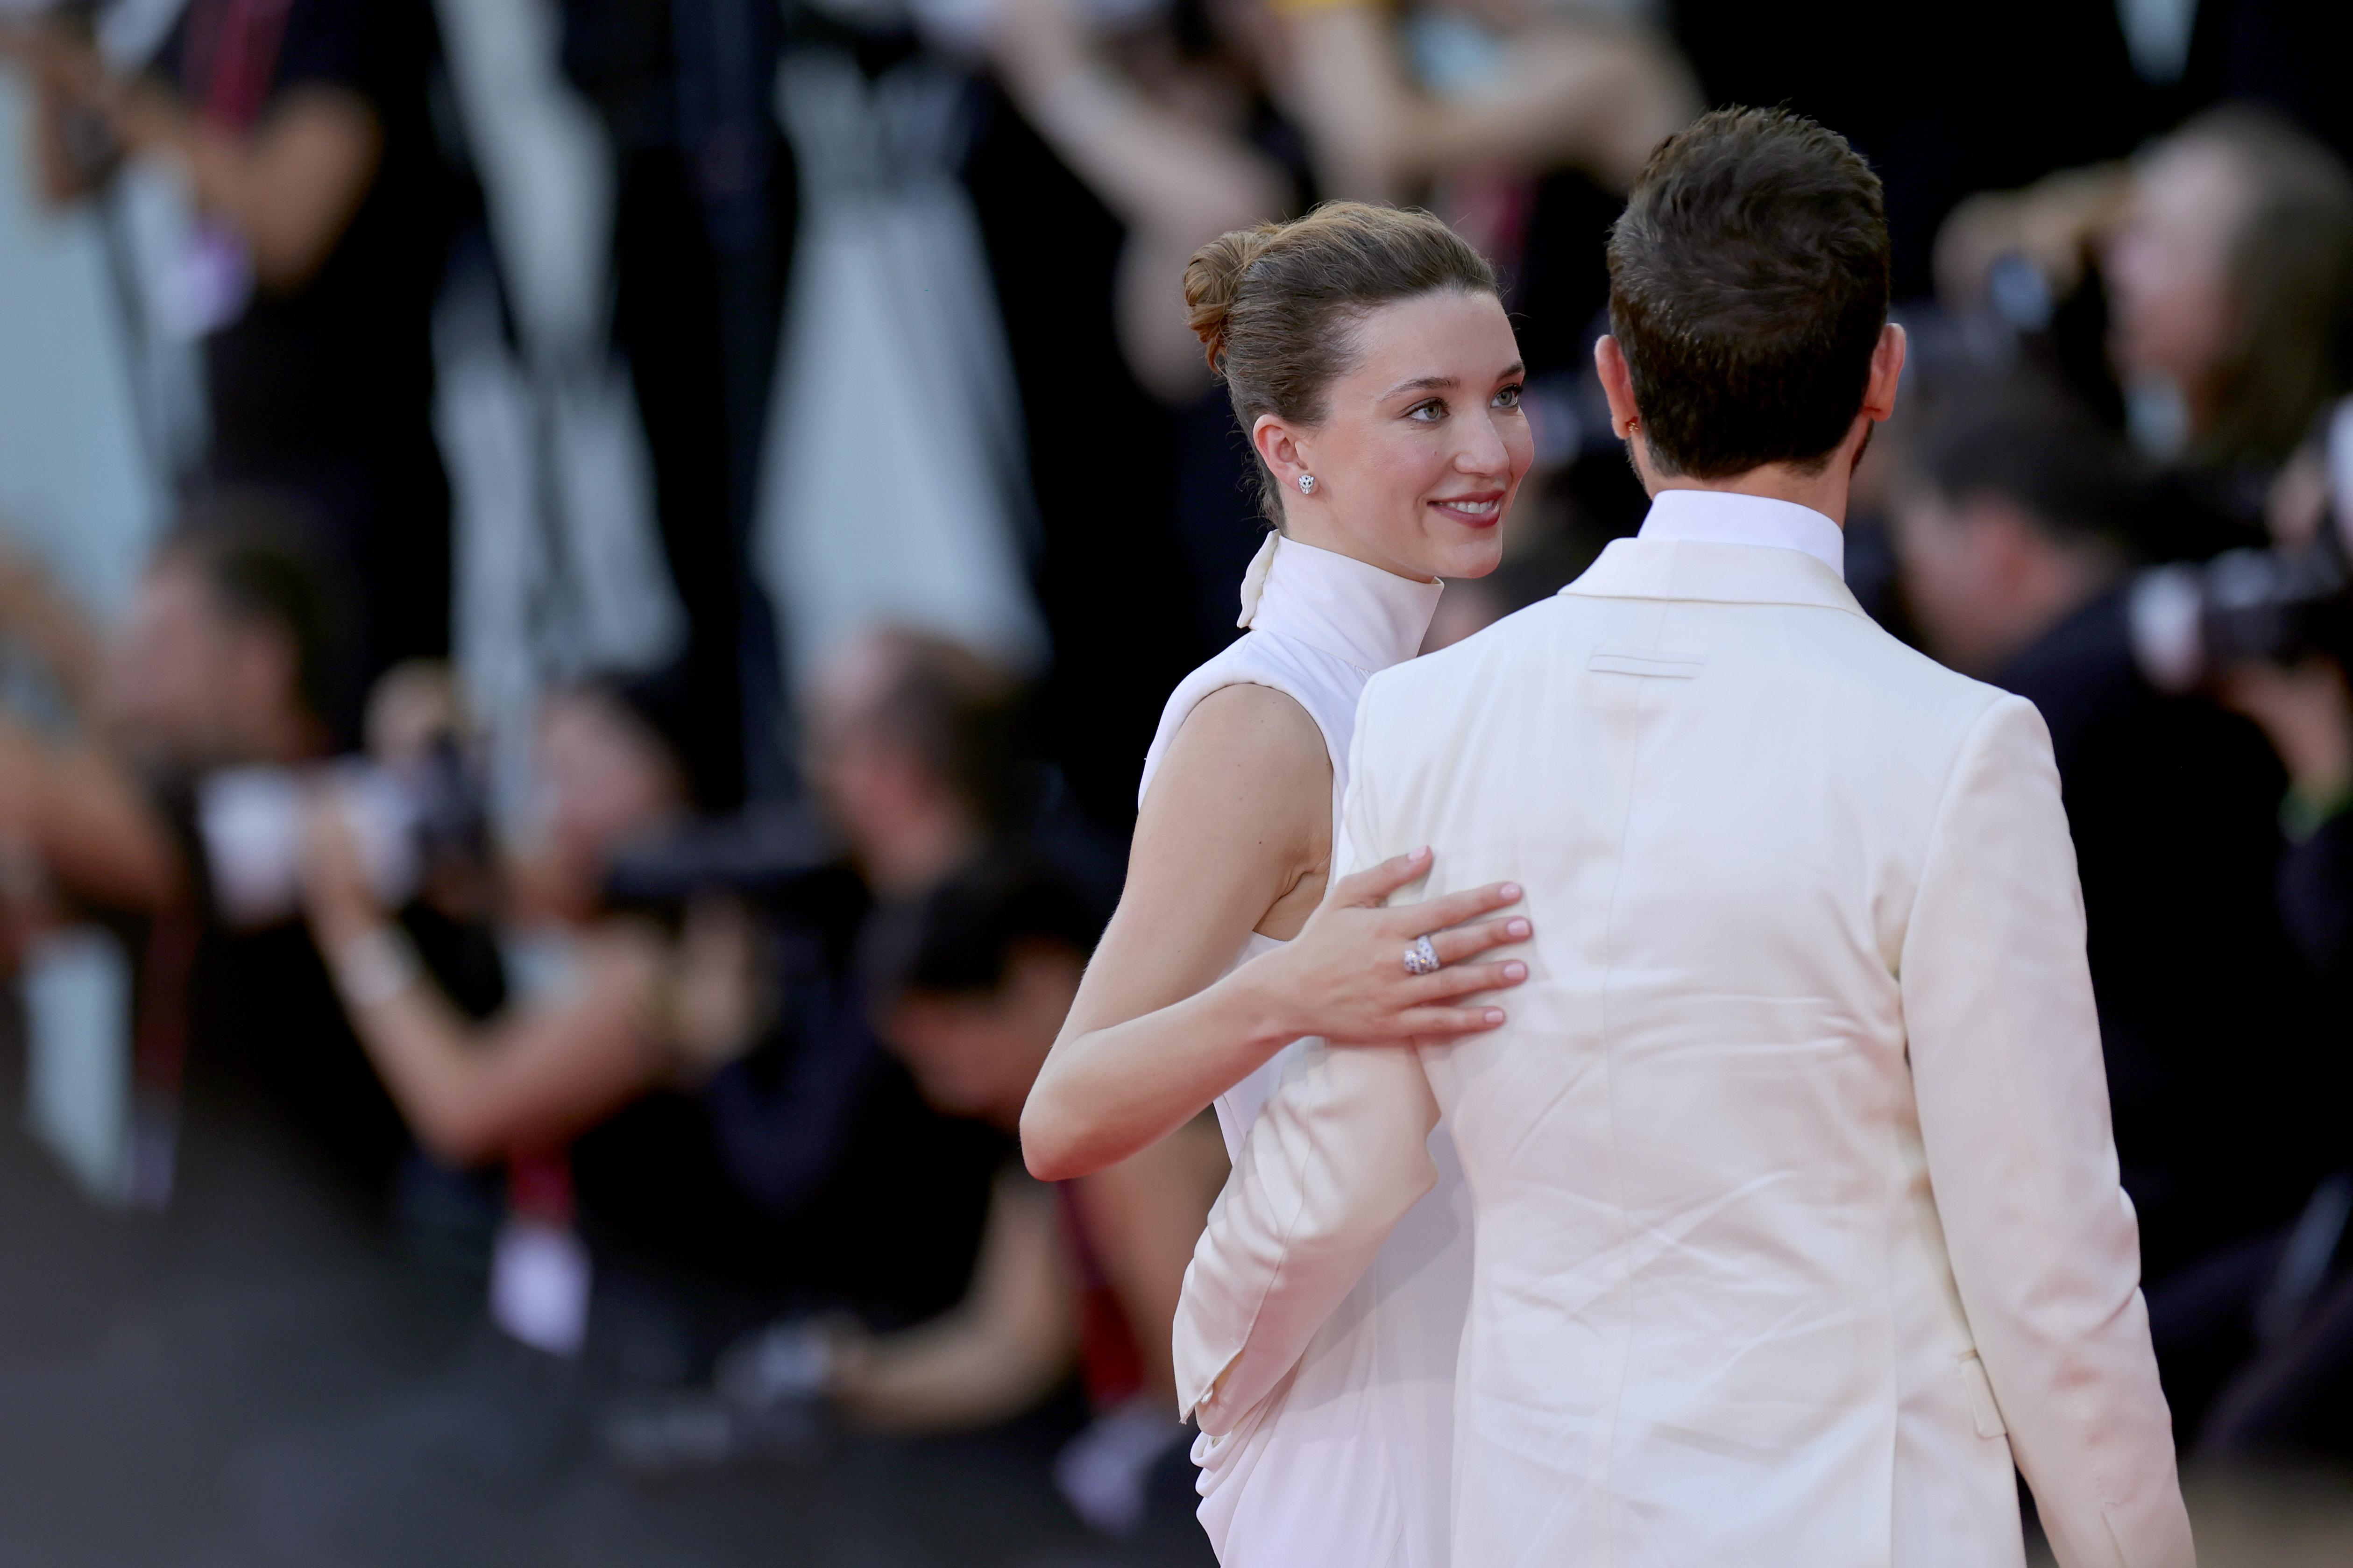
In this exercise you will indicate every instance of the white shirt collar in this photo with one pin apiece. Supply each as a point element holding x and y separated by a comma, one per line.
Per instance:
<point>1726,517</point>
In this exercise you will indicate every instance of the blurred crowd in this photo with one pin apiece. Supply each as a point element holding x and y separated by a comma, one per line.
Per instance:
<point>684,513</point>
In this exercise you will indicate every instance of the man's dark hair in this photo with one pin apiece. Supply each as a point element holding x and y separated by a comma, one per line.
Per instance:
<point>1748,288</point>
<point>962,941</point>
<point>960,715</point>
<point>242,549</point>
<point>2025,443</point>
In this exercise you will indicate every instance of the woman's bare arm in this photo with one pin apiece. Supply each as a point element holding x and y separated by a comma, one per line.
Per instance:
<point>1177,183</point>
<point>289,185</point>
<point>1144,1215</point>
<point>532,1076</point>
<point>1234,838</point>
<point>996,1354</point>
<point>99,840</point>
<point>1583,92</point>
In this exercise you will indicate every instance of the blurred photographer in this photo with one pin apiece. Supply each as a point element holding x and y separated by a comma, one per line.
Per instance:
<point>2010,513</point>
<point>2296,1392</point>
<point>218,673</point>
<point>972,988</point>
<point>2221,259</point>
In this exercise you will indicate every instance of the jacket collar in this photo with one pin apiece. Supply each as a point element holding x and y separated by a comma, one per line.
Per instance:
<point>1715,573</point>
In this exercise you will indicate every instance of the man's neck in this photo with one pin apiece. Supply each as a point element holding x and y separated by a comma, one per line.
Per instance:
<point>1825,492</point>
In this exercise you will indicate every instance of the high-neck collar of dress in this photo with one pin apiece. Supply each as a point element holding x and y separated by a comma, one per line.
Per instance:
<point>1353,611</point>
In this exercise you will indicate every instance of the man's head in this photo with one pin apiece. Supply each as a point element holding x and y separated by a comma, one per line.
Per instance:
<point>224,657</point>
<point>911,748</point>
<point>979,988</point>
<point>2009,509</point>
<point>1749,279</point>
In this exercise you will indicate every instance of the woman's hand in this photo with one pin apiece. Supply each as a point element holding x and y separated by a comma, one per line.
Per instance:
<point>1344,976</point>
<point>335,892</point>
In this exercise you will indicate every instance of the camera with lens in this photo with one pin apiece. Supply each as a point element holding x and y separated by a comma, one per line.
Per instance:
<point>407,825</point>
<point>2279,605</point>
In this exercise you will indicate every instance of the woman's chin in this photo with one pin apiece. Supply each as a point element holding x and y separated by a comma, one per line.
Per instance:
<point>1473,557</point>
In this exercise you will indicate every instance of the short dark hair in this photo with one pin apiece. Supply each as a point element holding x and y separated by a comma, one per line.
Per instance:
<point>243,550</point>
<point>960,716</point>
<point>2026,443</point>
<point>1273,305</point>
<point>962,941</point>
<point>1749,279</point>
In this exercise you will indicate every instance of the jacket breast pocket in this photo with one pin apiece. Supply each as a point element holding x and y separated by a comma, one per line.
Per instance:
<point>1984,1413</point>
<point>1658,663</point>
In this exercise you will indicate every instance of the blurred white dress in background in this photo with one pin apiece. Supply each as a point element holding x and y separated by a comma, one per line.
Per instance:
<point>893,488</point>
<point>559,569</point>
<point>79,489</point>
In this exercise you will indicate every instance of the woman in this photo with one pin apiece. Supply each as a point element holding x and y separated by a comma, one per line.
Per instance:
<point>1369,355</point>
<point>2225,257</point>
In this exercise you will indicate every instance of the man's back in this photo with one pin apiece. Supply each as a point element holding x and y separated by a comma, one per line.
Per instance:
<point>1713,1318</point>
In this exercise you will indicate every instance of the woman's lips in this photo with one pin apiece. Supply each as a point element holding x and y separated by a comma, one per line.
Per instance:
<point>1479,509</point>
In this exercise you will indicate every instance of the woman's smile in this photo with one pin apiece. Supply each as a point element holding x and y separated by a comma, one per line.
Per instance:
<point>1474,508</point>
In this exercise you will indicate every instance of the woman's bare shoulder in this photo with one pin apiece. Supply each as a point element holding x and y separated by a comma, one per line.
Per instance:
<point>1260,731</point>
<point>1242,802</point>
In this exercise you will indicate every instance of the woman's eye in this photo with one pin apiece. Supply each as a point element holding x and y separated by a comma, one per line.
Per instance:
<point>1429,413</point>
<point>1508,398</point>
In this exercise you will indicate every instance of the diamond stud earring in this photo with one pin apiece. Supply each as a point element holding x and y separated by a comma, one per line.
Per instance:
<point>1307,484</point>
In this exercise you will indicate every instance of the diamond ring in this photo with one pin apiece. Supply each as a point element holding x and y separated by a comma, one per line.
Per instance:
<point>1420,957</point>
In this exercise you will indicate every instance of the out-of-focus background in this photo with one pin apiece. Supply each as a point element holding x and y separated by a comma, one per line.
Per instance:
<point>582,587</point>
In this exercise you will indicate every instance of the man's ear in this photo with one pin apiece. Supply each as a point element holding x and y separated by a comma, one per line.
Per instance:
<point>1886,373</point>
<point>1617,384</point>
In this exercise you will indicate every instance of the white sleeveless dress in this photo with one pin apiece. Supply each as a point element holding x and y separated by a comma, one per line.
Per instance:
<point>1348,1463</point>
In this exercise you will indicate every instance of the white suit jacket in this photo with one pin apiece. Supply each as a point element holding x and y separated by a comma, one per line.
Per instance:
<point>1796,1203</point>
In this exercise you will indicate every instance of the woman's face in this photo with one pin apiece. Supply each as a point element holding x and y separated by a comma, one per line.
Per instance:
<point>2168,267</point>
<point>1423,444</point>
<point>602,781</point>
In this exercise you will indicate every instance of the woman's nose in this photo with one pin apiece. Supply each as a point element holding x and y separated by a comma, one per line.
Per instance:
<point>1484,452</point>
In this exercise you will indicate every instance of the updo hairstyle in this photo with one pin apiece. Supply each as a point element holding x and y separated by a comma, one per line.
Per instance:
<point>1273,305</point>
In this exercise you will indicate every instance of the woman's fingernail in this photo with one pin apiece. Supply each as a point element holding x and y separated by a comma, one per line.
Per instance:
<point>1510,892</point>
<point>1516,929</point>
<point>1516,971</point>
<point>1494,1016</point>
<point>1420,853</point>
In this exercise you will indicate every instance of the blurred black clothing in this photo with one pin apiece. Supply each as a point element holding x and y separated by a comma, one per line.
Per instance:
<point>1112,581</point>
<point>808,1174</point>
<point>2217,1068</point>
<point>702,238</point>
<point>324,390</point>
<point>1985,97</point>
<point>2316,900</point>
<point>2288,54</point>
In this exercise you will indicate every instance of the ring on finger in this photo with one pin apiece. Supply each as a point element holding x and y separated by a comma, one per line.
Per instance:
<point>1421,957</point>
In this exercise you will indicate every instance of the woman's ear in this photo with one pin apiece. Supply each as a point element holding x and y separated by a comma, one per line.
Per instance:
<point>1282,450</point>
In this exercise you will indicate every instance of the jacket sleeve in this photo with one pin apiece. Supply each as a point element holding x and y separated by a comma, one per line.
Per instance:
<point>1336,1159</point>
<point>2005,1048</point>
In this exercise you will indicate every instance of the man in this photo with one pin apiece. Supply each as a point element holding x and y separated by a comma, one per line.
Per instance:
<point>223,661</point>
<point>2008,515</point>
<point>1798,1210</point>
